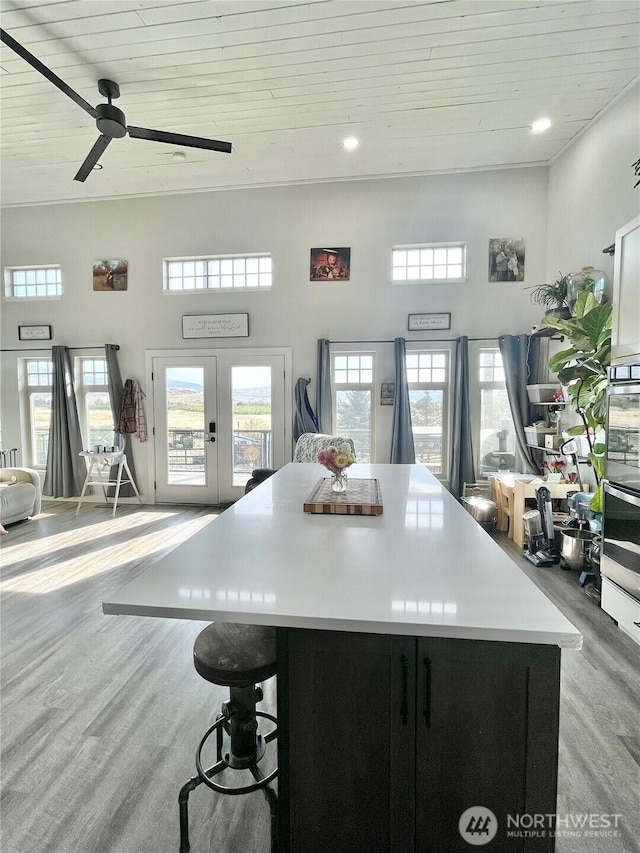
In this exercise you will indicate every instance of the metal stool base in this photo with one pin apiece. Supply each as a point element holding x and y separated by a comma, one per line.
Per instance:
<point>226,759</point>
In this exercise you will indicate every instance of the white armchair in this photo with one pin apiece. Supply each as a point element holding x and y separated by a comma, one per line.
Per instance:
<point>20,494</point>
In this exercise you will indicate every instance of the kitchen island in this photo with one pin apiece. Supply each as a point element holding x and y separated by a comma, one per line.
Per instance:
<point>418,667</point>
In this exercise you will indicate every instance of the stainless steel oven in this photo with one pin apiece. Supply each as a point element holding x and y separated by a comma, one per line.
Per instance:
<point>622,465</point>
<point>620,550</point>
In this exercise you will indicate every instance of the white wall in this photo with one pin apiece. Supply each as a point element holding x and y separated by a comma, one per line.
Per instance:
<point>591,191</point>
<point>368,216</point>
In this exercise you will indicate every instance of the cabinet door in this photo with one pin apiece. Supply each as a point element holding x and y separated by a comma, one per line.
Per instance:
<point>625,337</point>
<point>346,707</point>
<point>487,729</point>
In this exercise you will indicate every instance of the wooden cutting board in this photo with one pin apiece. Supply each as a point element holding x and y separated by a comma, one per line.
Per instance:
<point>363,497</point>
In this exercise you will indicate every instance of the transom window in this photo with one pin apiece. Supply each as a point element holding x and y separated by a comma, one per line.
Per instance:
<point>427,367</point>
<point>428,262</point>
<point>491,369</point>
<point>33,282</point>
<point>356,369</point>
<point>39,373</point>
<point>237,272</point>
<point>352,384</point>
<point>94,371</point>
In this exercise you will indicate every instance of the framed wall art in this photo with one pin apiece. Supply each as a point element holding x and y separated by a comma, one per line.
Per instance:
<point>110,275</point>
<point>387,393</point>
<point>330,264</point>
<point>215,326</point>
<point>506,259</point>
<point>429,322</point>
<point>34,333</point>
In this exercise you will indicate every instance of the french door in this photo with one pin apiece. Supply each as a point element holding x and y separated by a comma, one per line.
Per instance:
<point>216,417</point>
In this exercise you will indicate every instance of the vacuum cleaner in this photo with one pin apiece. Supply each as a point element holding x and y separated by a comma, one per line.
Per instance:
<point>540,547</point>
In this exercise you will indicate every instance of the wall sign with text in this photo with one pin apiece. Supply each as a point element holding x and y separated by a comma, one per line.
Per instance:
<point>215,326</point>
<point>429,322</point>
<point>34,333</point>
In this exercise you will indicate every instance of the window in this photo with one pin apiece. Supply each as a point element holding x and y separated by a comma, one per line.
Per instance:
<point>94,407</point>
<point>428,380</point>
<point>92,396</point>
<point>38,409</point>
<point>224,272</point>
<point>497,434</point>
<point>32,283</point>
<point>352,398</point>
<point>428,262</point>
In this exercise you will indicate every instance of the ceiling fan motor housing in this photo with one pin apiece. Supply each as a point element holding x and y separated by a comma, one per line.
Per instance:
<point>111,121</point>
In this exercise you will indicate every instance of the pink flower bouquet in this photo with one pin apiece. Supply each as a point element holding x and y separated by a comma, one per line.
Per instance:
<point>337,459</point>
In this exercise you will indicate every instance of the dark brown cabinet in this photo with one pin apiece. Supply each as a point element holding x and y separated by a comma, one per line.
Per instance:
<point>386,740</point>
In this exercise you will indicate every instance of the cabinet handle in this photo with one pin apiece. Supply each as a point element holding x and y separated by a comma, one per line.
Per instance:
<point>637,624</point>
<point>427,692</point>
<point>404,706</point>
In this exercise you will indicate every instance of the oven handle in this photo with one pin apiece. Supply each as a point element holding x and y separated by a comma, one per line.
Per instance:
<point>613,390</point>
<point>627,497</point>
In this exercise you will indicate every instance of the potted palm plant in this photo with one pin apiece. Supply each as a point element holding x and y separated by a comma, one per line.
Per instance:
<point>552,297</point>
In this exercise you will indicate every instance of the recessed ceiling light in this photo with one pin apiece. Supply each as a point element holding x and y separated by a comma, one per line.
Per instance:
<point>179,156</point>
<point>541,125</point>
<point>350,143</point>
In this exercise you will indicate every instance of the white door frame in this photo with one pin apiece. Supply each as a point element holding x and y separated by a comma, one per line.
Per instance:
<point>243,352</point>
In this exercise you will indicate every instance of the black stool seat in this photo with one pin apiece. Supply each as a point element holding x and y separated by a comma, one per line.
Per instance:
<point>235,655</point>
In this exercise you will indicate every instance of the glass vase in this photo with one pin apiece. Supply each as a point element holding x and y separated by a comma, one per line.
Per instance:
<point>339,482</point>
<point>587,279</point>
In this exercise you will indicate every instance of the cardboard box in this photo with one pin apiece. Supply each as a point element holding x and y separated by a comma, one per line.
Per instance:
<point>552,442</point>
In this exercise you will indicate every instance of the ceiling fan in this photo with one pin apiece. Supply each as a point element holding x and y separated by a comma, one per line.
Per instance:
<point>110,121</point>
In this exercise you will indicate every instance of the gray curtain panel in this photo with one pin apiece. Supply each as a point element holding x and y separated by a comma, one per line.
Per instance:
<point>462,468</point>
<point>304,419</point>
<point>402,448</point>
<point>66,470</point>
<point>114,379</point>
<point>324,404</point>
<point>518,352</point>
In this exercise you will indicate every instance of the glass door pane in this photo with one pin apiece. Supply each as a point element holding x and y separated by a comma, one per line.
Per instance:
<point>252,426</point>
<point>184,388</point>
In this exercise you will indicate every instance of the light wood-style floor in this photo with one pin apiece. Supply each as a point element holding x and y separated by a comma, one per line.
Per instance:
<point>101,715</point>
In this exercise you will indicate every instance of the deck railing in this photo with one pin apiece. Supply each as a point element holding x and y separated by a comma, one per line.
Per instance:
<point>251,449</point>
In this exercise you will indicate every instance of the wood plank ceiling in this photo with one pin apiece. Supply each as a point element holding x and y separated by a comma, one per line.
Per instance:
<point>424,86</point>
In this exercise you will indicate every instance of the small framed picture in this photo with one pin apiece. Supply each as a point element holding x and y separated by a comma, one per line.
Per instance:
<point>34,333</point>
<point>330,264</point>
<point>387,393</point>
<point>110,276</point>
<point>506,258</point>
<point>429,322</point>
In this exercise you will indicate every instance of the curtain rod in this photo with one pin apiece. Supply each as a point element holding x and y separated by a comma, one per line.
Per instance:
<point>417,340</point>
<point>47,349</point>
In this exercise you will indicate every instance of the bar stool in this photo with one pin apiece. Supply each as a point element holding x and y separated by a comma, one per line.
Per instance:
<point>237,657</point>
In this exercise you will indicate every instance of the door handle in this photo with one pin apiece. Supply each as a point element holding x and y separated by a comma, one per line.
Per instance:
<point>212,438</point>
<point>427,693</point>
<point>404,705</point>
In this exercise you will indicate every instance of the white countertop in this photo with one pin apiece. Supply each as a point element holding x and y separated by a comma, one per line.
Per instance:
<point>422,568</point>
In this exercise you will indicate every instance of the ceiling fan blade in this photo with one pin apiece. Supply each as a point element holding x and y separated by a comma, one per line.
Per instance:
<point>46,72</point>
<point>179,139</point>
<point>92,157</point>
